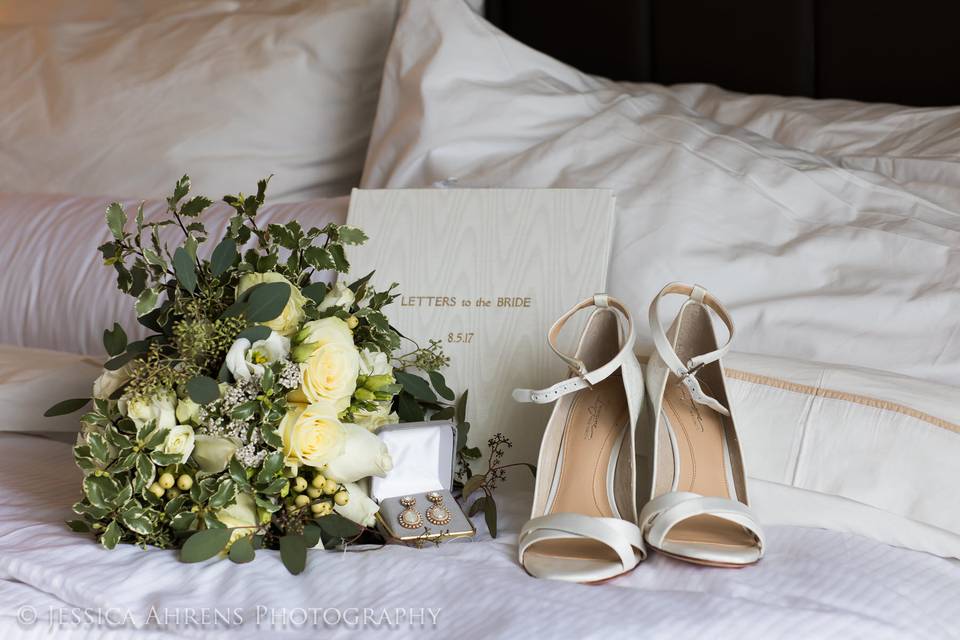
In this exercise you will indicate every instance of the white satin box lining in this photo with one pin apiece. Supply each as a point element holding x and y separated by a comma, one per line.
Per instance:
<point>423,459</point>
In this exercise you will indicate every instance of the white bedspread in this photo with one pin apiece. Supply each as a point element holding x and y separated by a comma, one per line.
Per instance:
<point>812,584</point>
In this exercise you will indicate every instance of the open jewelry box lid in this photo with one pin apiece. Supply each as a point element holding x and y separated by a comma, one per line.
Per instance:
<point>423,458</point>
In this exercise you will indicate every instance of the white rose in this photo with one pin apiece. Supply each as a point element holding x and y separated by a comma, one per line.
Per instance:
<point>212,453</point>
<point>374,363</point>
<point>179,440</point>
<point>245,360</point>
<point>319,333</point>
<point>360,508</point>
<point>187,411</point>
<point>110,381</point>
<point>331,374</point>
<point>374,420</point>
<point>312,435</point>
<point>292,315</point>
<point>160,408</point>
<point>364,455</point>
<point>339,295</point>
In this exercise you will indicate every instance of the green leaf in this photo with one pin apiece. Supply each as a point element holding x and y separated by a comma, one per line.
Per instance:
<point>336,526</point>
<point>111,536</point>
<point>242,551</point>
<point>440,384</point>
<point>115,341</point>
<point>184,267</point>
<point>415,386</point>
<point>115,363</point>
<point>532,467</point>
<point>205,544</point>
<point>311,535</point>
<point>181,189</point>
<point>203,389</point>
<point>78,526</point>
<point>137,519</point>
<point>194,206</point>
<point>339,256</point>
<point>224,494</point>
<point>293,553</point>
<point>318,258</point>
<point>267,301</point>
<point>472,485</point>
<point>271,465</point>
<point>183,521</point>
<point>477,506</point>
<point>461,416</point>
<point>255,333</point>
<point>237,472</point>
<point>471,453</point>
<point>163,459</point>
<point>244,411</point>
<point>490,515</point>
<point>223,256</point>
<point>316,291</point>
<point>351,235</point>
<point>100,490</point>
<point>66,407</point>
<point>116,218</point>
<point>146,472</point>
<point>146,302</point>
<point>408,409</point>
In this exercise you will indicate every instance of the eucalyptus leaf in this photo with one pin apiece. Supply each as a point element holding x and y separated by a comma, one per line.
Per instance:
<point>185,268</point>
<point>472,485</point>
<point>267,301</point>
<point>223,256</point>
<point>255,333</point>
<point>408,409</point>
<point>477,506</point>
<point>440,384</point>
<point>242,551</point>
<point>293,553</point>
<point>316,291</point>
<point>203,389</point>
<point>66,407</point>
<point>205,544</point>
<point>311,535</point>
<point>415,386</point>
<point>78,526</point>
<point>490,515</point>
<point>336,526</point>
<point>115,363</point>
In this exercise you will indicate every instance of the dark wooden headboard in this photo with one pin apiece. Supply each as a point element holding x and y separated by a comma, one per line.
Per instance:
<point>870,50</point>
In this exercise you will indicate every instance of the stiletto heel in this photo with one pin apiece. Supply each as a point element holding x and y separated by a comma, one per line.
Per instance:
<point>583,523</point>
<point>698,510</point>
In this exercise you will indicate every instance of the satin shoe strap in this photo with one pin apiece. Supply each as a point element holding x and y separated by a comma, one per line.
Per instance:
<point>583,378</point>
<point>623,537</point>
<point>687,372</point>
<point>663,513</point>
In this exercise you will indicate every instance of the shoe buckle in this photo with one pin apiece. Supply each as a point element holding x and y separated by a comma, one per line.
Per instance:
<point>581,372</point>
<point>691,373</point>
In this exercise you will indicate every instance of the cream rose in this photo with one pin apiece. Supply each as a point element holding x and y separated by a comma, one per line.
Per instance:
<point>364,455</point>
<point>318,333</point>
<point>340,295</point>
<point>312,435</point>
<point>374,363</point>
<point>360,508</point>
<point>331,374</point>
<point>212,453</point>
<point>374,420</point>
<point>110,381</point>
<point>160,408</point>
<point>292,315</point>
<point>180,440</point>
<point>245,360</point>
<point>187,411</point>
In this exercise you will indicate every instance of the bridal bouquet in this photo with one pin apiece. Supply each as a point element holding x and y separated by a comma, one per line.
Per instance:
<point>247,417</point>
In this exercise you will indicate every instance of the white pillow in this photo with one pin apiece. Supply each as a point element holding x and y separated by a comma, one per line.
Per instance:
<point>850,449</point>
<point>918,147</point>
<point>33,380</point>
<point>225,91</point>
<point>56,292</point>
<point>815,261</point>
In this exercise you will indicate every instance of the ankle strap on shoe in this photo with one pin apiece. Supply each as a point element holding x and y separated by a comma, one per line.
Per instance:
<point>583,378</point>
<point>687,372</point>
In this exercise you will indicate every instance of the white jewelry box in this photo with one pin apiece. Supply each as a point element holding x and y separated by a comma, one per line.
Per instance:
<point>424,461</point>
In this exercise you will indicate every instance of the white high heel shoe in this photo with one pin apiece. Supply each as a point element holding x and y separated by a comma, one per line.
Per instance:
<point>698,509</point>
<point>583,523</point>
